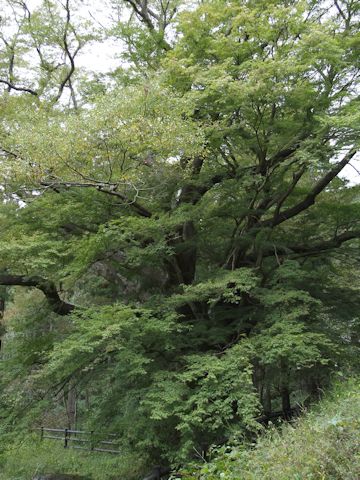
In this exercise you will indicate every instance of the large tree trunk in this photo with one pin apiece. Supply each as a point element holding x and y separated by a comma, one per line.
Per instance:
<point>183,265</point>
<point>186,257</point>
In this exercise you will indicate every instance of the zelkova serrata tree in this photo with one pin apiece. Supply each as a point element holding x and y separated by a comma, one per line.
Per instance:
<point>210,201</point>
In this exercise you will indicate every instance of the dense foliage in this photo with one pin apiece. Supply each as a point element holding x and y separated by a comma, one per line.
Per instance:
<point>178,252</point>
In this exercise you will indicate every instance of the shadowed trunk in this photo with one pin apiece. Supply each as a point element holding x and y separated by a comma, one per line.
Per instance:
<point>2,310</point>
<point>285,402</point>
<point>71,405</point>
<point>266,401</point>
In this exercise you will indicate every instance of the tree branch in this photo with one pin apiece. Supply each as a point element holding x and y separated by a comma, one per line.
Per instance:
<point>336,3</point>
<point>46,286</point>
<point>307,250</point>
<point>325,245</point>
<point>296,177</point>
<point>143,12</point>
<point>311,197</point>
<point>19,89</point>
<point>147,15</point>
<point>71,56</point>
<point>108,188</point>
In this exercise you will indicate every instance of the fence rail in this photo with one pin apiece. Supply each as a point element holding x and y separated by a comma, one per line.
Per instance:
<point>94,441</point>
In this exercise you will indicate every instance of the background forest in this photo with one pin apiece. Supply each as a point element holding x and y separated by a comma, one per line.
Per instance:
<point>179,247</point>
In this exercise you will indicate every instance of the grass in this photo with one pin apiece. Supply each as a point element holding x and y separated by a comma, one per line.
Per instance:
<point>29,457</point>
<point>322,445</point>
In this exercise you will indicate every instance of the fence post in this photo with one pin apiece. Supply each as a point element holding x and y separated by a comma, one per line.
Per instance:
<point>65,438</point>
<point>42,433</point>
<point>91,440</point>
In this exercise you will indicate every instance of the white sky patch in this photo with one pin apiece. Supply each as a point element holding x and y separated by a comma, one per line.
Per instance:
<point>352,171</point>
<point>100,57</point>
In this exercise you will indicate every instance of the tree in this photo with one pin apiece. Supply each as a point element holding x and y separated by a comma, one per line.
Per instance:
<point>209,203</point>
<point>44,42</point>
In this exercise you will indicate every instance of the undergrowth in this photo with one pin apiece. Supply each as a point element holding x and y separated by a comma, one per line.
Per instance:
<point>322,445</point>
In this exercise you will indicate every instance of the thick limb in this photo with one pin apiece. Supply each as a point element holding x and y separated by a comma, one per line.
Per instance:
<point>48,288</point>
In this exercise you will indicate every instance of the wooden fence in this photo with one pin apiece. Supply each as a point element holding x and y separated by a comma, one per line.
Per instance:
<point>79,439</point>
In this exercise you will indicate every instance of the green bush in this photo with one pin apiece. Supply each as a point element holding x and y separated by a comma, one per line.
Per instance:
<point>322,445</point>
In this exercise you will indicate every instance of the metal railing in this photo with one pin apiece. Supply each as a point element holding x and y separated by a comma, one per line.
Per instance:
<point>80,439</point>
